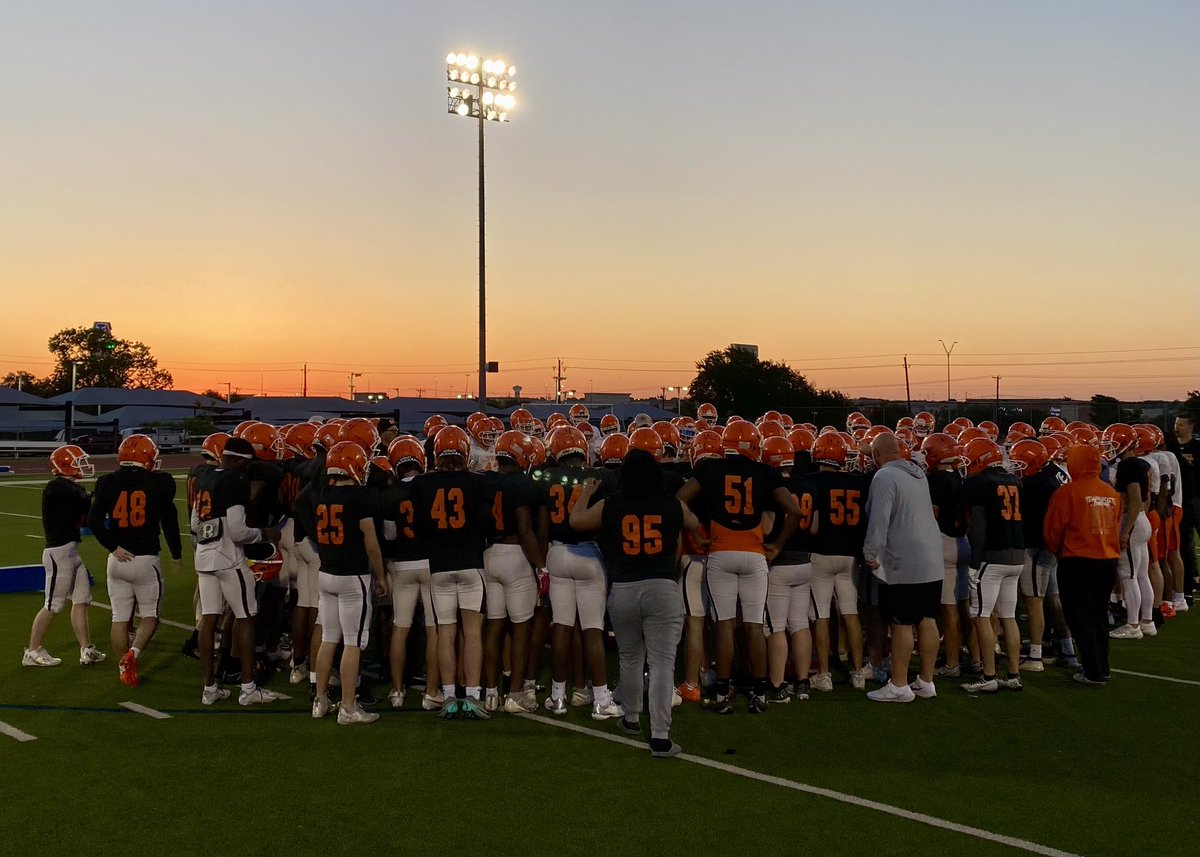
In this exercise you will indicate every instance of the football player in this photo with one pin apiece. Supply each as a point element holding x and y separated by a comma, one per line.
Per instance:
<point>218,522</point>
<point>705,447</point>
<point>943,462</point>
<point>408,573</point>
<point>64,509</point>
<point>1133,480</point>
<point>130,508</point>
<point>513,564</point>
<point>453,510</point>
<point>838,527</point>
<point>737,490</point>
<point>577,582</point>
<point>346,539</point>
<point>996,533</point>
<point>210,454</point>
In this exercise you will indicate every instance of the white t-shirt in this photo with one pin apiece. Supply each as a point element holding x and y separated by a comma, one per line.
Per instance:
<point>1168,465</point>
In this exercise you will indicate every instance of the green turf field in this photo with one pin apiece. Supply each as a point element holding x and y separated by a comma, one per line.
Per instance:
<point>1061,768</point>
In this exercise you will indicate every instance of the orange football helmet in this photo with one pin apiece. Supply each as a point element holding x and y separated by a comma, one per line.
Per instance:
<point>268,445</point>
<point>772,428</point>
<point>857,420</point>
<point>1055,447</point>
<point>609,423</point>
<point>360,431</point>
<point>982,453</point>
<point>827,430</point>
<point>708,413</point>
<point>924,424</point>
<point>830,450</point>
<point>539,429</point>
<point>347,458</point>
<point>941,448</point>
<point>567,440</point>
<point>1118,438</point>
<point>405,451</point>
<point>904,422</point>
<point>648,440</point>
<point>1074,424</point>
<point>990,429</point>
<point>555,420</point>
<point>213,445</point>
<point>772,416</point>
<point>613,449</point>
<point>521,420</point>
<point>670,437</point>
<point>72,462</point>
<point>964,422</point>
<point>432,424</point>
<point>241,427</point>
<point>512,445</point>
<point>777,451</point>
<point>969,434</point>
<point>788,422</point>
<point>451,441</point>
<point>706,444</point>
<point>908,437</point>
<point>537,451</point>
<point>137,450</point>
<point>1024,430</point>
<point>382,462</point>
<point>328,436</point>
<point>1084,436</point>
<point>578,413</point>
<point>1028,457</point>
<point>265,560</point>
<point>300,439</point>
<point>801,439</point>
<point>1050,425</point>
<point>742,438</point>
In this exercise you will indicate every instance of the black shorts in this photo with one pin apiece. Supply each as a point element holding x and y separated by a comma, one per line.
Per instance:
<point>909,603</point>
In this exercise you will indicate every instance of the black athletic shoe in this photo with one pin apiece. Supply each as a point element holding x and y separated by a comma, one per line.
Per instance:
<point>721,705</point>
<point>191,648</point>
<point>780,695</point>
<point>758,704</point>
<point>629,727</point>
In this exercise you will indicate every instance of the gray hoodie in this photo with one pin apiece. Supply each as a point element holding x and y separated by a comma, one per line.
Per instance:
<point>902,533</point>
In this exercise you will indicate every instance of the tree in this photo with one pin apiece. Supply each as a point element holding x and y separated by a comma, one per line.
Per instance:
<point>102,360</point>
<point>1106,410</point>
<point>26,382</point>
<point>737,382</point>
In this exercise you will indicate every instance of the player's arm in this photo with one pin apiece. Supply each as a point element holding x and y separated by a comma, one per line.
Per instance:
<point>528,538</point>
<point>98,517</point>
<point>689,492</point>
<point>168,519</point>
<point>374,555</point>
<point>977,533</point>
<point>1133,505</point>
<point>692,525</point>
<point>584,517</point>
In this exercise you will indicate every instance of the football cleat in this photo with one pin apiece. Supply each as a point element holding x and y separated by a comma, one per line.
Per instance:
<point>948,672</point>
<point>355,715</point>
<point>823,682</point>
<point>213,695</point>
<point>721,705</point>
<point>890,693</point>
<point>432,703</point>
<point>758,704</point>
<point>1180,605</point>
<point>1149,629</point>
<point>473,709</point>
<point>320,707</point>
<point>688,692</point>
<point>518,704</point>
<point>922,688</point>
<point>1011,683</point>
<point>581,696</point>
<point>779,695</point>
<point>258,696</point>
<point>666,752</point>
<point>1167,608</point>
<point>39,658</point>
<point>127,669</point>
<point>491,702</point>
<point>858,681</point>
<point>800,689</point>
<point>396,698</point>
<point>1126,632</point>
<point>607,712</point>
<point>1032,665</point>
<point>556,707</point>
<point>676,698</point>
<point>297,675</point>
<point>91,655</point>
<point>1087,682</point>
<point>449,709</point>
<point>982,685</point>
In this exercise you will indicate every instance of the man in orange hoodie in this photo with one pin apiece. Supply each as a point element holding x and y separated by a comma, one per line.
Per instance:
<point>1082,528</point>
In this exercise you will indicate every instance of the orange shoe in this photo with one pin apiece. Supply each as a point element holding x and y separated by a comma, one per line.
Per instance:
<point>689,692</point>
<point>1167,609</point>
<point>128,666</point>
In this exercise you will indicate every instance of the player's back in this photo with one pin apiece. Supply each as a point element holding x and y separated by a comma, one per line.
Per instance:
<point>839,511</point>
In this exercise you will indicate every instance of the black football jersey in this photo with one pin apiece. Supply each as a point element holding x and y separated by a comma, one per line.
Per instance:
<point>1036,491</point>
<point>338,513</point>
<point>640,537</point>
<point>294,472</point>
<point>193,475</point>
<point>840,508</point>
<point>131,507</point>
<point>265,480</point>
<point>511,492</point>
<point>735,493</point>
<point>948,497</point>
<point>399,507</point>
<point>998,494</point>
<point>64,510</point>
<point>800,544</point>
<point>453,518</point>
<point>559,489</point>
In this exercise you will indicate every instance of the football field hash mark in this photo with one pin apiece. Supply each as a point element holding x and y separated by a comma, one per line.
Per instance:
<point>15,733</point>
<point>149,712</point>
<point>841,797</point>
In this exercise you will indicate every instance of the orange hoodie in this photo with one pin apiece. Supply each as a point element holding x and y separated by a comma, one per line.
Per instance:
<point>1084,517</point>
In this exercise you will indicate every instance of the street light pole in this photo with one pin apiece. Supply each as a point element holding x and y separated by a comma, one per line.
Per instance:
<point>353,375</point>
<point>74,371</point>
<point>948,351</point>
<point>489,98</point>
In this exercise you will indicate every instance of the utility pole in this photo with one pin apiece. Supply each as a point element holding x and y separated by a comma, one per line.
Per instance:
<point>907,389</point>
<point>304,388</point>
<point>948,351</point>
<point>662,402</point>
<point>996,415</point>
<point>353,375</point>
<point>558,381</point>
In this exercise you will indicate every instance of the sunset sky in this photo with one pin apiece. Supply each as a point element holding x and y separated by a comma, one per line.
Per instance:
<point>247,186</point>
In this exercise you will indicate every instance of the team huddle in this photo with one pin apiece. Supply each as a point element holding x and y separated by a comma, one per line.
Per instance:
<point>778,552</point>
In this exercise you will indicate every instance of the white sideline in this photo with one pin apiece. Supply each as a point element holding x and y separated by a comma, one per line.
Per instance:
<point>1159,677</point>
<point>15,733</point>
<point>161,621</point>
<point>149,712</point>
<point>842,797</point>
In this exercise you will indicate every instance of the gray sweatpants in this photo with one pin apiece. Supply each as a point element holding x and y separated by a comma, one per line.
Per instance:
<point>647,619</point>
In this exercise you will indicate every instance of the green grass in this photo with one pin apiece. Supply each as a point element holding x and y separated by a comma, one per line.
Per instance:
<point>1089,772</point>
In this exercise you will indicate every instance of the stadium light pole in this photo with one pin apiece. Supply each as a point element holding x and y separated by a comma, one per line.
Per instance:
<point>482,90</point>
<point>948,351</point>
<point>680,392</point>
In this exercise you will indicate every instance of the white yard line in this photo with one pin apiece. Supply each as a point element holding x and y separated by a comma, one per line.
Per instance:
<point>1159,677</point>
<point>19,515</point>
<point>179,625</point>
<point>842,797</point>
<point>149,712</point>
<point>15,733</point>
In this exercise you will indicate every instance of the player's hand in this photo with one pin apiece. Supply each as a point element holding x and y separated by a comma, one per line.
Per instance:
<point>1124,541</point>
<point>177,565</point>
<point>122,555</point>
<point>382,587</point>
<point>871,564</point>
<point>772,550</point>
<point>543,581</point>
<point>271,534</point>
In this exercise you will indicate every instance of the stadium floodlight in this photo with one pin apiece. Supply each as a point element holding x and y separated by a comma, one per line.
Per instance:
<point>481,89</point>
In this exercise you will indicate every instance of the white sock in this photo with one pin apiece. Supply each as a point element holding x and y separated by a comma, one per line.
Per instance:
<point>1035,652</point>
<point>448,691</point>
<point>473,692</point>
<point>601,695</point>
<point>558,690</point>
<point>210,688</point>
<point>492,691</point>
<point>137,653</point>
<point>312,676</point>
<point>248,687</point>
